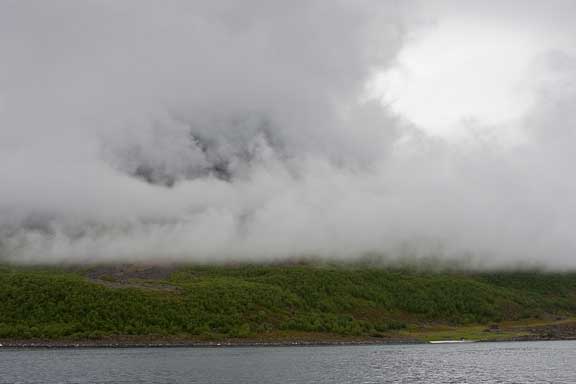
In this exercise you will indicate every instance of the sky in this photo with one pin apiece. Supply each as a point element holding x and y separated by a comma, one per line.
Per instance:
<point>210,131</point>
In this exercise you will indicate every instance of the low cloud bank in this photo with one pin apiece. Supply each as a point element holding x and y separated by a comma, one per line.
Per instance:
<point>215,131</point>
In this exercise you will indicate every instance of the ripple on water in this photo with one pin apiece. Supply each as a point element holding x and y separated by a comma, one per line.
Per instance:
<point>521,362</point>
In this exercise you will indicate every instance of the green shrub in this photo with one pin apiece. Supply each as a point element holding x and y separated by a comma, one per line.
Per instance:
<point>244,301</point>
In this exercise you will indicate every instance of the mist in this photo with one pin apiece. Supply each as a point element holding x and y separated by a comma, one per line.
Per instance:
<point>211,131</point>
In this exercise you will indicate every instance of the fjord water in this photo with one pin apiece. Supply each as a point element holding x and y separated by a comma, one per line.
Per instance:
<point>520,362</point>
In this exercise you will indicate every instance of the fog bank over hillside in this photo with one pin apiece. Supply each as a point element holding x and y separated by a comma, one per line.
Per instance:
<point>215,130</point>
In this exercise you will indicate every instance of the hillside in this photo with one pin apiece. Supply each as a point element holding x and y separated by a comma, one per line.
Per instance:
<point>280,302</point>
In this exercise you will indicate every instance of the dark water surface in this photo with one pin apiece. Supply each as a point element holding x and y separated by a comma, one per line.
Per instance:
<point>521,362</point>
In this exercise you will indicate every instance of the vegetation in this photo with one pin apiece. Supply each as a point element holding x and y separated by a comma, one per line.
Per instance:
<point>243,301</point>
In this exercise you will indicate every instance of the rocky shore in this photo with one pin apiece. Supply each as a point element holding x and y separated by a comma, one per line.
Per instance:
<point>553,332</point>
<point>124,343</point>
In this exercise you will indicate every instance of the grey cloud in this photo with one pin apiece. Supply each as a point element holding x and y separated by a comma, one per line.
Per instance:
<point>217,130</point>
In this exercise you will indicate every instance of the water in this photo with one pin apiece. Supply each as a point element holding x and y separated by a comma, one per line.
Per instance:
<point>522,362</point>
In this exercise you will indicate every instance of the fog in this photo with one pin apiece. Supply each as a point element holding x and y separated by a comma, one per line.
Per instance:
<point>209,131</point>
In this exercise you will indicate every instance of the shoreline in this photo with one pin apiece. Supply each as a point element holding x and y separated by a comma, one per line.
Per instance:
<point>191,343</point>
<point>91,344</point>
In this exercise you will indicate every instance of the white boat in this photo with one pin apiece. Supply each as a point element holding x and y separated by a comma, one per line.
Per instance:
<point>451,341</point>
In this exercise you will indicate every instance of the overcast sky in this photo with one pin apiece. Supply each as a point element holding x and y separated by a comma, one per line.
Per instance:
<point>261,130</point>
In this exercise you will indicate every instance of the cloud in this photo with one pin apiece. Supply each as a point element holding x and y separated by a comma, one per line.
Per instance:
<point>215,130</point>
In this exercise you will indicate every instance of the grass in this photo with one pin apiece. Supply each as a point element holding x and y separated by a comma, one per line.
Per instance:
<point>281,301</point>
<point>473,332</point>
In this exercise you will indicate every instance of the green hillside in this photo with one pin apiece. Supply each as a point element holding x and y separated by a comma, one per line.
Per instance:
<point>250,301</point>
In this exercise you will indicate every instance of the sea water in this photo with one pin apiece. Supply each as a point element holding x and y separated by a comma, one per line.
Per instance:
<point>512,362</point>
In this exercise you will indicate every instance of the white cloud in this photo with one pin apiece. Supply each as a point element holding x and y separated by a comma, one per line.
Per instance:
<point>256,115</point>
